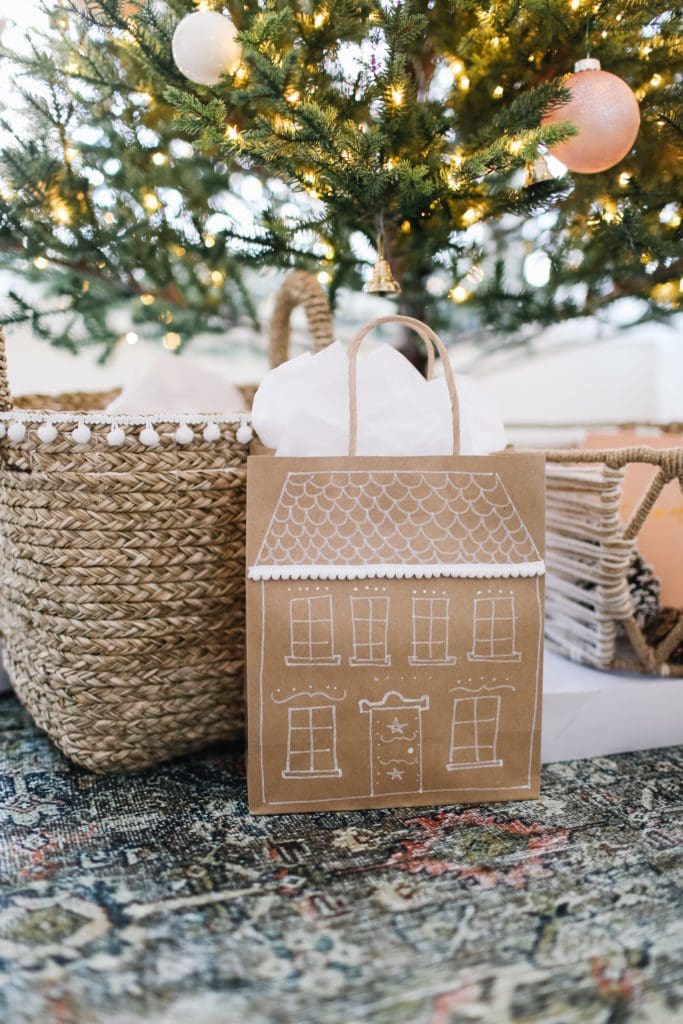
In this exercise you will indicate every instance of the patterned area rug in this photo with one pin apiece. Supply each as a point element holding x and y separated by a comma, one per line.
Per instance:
<point>156,898</point>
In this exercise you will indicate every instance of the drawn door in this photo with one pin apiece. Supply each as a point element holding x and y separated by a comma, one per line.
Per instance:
<point>395,725</point>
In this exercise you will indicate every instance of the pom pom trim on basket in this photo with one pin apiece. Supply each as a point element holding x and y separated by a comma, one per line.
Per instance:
<point>15,426</point>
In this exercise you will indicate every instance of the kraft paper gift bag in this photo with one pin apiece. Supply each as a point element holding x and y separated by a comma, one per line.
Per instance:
<point>394,624</point>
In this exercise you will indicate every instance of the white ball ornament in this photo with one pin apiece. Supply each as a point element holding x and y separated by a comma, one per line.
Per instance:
<point>116,436</point>
<point>47,432</point>
<point>149,436</point>
<point>212,432</point>
<point>17,432</point>
<point>81,434</point>
<point>184,434</point>
<point>205,47</point>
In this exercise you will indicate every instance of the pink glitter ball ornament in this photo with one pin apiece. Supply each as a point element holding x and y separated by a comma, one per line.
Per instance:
<point>606,115</point>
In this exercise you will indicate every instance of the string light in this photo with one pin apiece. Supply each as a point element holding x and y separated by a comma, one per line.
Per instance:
<point>171,341</point>
<point>464,83</point>
<point>396,94</point>
<point>471,216</point>
<point>516,147</point>
<point>406,227</point>
<point>146,299</point>
<point>320,18</point>
<point>217,278</point>
<point>209,241</point>
<point>61,213</point>
<point>575,4</point>
<point>159,159</point>
<point>151,202</point>
<point>241,74</point>
<point>495,42</point>
<point>498,92</point>
<point>284,125</point>
<point>324,277</point>
<point>610,212</point>
<point>457,67</point>
<point>132,338</point>
<point>328,251</point>
<point>458,294</point>
<point>624,179</point>
<point>232,133</point>
<point>40,262</point>
<point>656,80</point>
<point>292,95</point>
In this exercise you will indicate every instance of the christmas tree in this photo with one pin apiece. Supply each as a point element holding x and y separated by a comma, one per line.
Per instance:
<point>410,130</point>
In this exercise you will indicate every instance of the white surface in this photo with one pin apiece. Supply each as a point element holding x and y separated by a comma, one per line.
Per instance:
<point>172,385</point>
<point>302,408</point>
<point>587,713</point>
<point>630,377</point>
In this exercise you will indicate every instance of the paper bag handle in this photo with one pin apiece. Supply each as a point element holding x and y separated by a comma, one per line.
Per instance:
<point>432,341</point>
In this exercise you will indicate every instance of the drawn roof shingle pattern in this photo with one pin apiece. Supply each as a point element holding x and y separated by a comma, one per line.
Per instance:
<point>395,517</point>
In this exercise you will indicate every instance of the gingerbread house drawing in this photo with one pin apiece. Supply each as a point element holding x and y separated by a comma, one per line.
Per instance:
<point>395,638</point>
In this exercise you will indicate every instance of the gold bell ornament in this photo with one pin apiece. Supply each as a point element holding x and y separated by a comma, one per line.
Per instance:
<point>538,171</point>
<point>382,281</point>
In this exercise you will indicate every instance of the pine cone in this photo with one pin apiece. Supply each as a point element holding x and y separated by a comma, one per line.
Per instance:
<point>644,588</point>
<point>660,627</point>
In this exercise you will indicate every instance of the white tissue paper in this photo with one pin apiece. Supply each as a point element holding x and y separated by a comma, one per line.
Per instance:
<point>177,385</point>
<point>302,408</point>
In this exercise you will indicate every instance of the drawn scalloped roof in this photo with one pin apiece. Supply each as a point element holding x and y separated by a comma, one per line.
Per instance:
<point>390,519</point>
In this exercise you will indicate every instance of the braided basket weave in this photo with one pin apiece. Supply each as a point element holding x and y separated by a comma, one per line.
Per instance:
<point>122,575</point>
<point>590,612</point>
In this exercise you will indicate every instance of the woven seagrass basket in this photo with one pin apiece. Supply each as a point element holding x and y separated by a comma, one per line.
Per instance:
<point>122,567</point>
<point>591,616</point>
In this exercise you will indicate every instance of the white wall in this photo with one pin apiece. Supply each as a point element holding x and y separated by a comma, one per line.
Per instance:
<point>635,375</point>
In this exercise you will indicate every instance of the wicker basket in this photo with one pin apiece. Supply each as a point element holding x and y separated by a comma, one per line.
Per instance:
<point>590,615</point>
<point>122,569</point>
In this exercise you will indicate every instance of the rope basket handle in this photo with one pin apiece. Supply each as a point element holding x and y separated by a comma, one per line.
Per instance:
<point>669,460</point>
<point>299,288</point>
<point>6,403</point>
<point>432,341</point>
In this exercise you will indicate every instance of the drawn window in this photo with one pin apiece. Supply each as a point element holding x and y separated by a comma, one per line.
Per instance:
<point>312,743</point>
<point>430,631</point>
<point>370,631</point>
<point>474,732</point>
<point>312,632</point>
<point>494,630</point>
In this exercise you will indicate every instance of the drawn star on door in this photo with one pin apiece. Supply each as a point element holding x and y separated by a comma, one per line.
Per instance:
<point>395,725</point>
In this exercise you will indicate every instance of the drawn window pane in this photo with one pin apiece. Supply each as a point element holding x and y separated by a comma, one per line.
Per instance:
<point>474,732</point>
<point>312,631</point>
<point>494,633</point>
<point>430,631</point>
<point>312,743</point>
<point>370,618</point>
